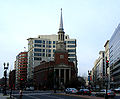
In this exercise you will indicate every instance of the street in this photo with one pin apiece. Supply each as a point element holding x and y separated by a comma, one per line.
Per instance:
<point>42,95</point>
<point>51,95</point>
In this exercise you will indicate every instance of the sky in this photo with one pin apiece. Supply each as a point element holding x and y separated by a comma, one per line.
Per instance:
<point>90,22</point>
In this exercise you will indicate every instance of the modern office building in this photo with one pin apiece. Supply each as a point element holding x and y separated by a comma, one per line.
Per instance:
<point>43,48</point>
<point>114,48</point>
<point>21,68</point>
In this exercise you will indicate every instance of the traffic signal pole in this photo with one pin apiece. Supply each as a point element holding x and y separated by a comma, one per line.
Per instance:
<point>107,65</point>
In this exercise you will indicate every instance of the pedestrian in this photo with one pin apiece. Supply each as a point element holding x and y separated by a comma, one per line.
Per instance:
<point>20,94</point>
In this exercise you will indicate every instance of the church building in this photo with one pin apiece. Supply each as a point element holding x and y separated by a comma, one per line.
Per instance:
<point>56,73</point>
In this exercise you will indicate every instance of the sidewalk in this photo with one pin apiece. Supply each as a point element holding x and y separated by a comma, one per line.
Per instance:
<point>3,97</point>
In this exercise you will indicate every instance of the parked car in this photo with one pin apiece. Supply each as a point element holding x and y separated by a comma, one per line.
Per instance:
<point>30,88</point>
<point>102,92</point>
<point>71,90</point>
<point>117,90</point>
<point>84,92</point>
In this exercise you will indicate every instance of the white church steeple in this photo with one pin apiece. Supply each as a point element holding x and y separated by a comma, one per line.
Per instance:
<point>61,30</point>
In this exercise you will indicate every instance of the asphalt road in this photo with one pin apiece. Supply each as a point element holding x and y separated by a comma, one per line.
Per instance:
<point>49,95</point>
<point>42,95</point>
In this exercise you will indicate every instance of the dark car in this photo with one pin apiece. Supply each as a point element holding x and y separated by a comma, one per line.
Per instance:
<point>84,92</point>
<point>102,92</point>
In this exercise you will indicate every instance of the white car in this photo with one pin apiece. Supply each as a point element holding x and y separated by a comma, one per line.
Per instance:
<point>117,89</point>
<point>30,88</point>
<point>103,93</point>
<point>71,91</point>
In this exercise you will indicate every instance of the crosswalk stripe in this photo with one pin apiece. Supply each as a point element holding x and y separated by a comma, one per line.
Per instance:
<point>32,94</point>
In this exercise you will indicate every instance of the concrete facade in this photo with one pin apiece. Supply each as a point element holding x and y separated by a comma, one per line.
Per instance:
<point>98,71</point>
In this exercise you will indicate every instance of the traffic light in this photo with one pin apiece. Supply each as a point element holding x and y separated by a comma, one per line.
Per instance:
<point>21,79</point>
<point>107,63</point>
<point>21,83</point>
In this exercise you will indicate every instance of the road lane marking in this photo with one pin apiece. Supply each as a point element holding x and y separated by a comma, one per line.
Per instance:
<point>53,97</point>
<point>32,94</point>
<point>33,97</point>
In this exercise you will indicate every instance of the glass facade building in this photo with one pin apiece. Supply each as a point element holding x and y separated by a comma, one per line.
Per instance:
<point>114,53</point>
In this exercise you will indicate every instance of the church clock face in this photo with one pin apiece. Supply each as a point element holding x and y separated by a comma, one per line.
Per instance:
<point>61,56</point>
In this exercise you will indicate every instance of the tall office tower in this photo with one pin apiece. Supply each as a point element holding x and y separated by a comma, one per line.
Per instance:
<point>21,69</point>
<point>43,48</point>
<point>114,49</point>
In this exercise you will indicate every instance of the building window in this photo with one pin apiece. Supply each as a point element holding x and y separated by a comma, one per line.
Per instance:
<point>53,50</point>
<point>71,55</point>
<point>49,42</point>
<point>71,50</point>
<point>66,37</point>
<point>43,50</point>
<point>43,54</point>
<point>37,45</point>
<point>43,45</point>
<point>38,41</point>
<point>49,55</point>
<point>71,42</point>
<point>53,42</point>
<point>71,46</point>
<point>71,59</point>
<point>37,50</point>
<point>49,46</point>
<point>43,42</point>
<point>53,46</point>
<point>37,54</point>
<point>49,50</point>
<point>37,58</point>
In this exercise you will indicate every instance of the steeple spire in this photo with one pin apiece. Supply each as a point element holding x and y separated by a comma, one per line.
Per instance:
<point>60,45</point>
<point>61,22</point>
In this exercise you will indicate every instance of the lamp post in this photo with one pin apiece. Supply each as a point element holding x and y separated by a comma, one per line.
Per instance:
<point>54,81</point>
<point>5,74</point>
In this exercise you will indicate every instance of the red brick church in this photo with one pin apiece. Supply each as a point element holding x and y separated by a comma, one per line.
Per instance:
<point>55,73</point>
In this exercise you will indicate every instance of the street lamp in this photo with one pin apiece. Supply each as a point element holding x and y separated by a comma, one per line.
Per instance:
<point>5,74</point>
<point>54,80</point>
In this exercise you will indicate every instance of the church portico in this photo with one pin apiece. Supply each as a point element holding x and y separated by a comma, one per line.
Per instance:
<point>62,75</point>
